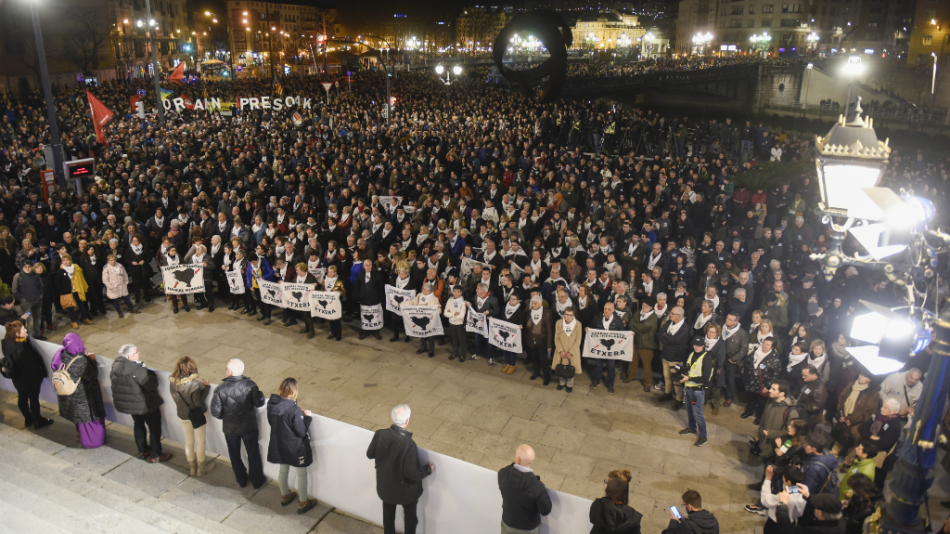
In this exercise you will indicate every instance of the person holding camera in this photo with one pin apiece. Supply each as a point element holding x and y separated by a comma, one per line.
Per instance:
<point>695,375</point>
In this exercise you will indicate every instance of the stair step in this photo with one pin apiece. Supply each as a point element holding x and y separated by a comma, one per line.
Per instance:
<point>17,521</point>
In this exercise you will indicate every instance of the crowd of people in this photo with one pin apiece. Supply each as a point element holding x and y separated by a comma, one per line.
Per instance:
<point>480,203</point>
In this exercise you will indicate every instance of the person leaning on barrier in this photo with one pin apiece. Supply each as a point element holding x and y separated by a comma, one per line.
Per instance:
<point>695,520</point>
<point>289,444</point>
<point>524,497</point>
<point>135,392</point>
<point>399,471</point>
<point>189,393</point>
<point>24,366</point>
<point>235,402</point>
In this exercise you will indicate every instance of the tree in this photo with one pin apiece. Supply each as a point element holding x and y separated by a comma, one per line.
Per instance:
<point>920,82</point>
<point>83,47</point>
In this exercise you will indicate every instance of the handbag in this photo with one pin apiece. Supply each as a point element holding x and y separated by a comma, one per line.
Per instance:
<point>564,371</point>
<point>67,301</point>
<point>196,415</point>
<point>841,433</point>
<point>6,368</point>
<point>763,391</point>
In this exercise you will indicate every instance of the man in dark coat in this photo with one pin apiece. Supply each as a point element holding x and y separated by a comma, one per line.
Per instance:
<point>369,290</point>
<point>235,402</point>
<point>674,348</point>
<point>486,304</point>
<point>135,392</point>
<point>399,472</point>
<point>608,321</point>
<point>524,499</point>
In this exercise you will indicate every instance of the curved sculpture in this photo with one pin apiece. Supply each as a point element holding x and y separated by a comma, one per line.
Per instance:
<point>554,33</point>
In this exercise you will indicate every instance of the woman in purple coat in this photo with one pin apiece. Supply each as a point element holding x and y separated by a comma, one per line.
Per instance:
<point>84,407</point>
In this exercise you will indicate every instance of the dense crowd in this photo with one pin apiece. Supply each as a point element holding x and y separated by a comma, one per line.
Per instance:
<point>482,202</point>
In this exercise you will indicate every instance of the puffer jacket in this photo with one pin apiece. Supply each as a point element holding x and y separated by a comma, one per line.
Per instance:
<point>611,518</point>
<point>134,387</point>
<point>235,402</point>
<point>188,392</point>
<point>289,433</point>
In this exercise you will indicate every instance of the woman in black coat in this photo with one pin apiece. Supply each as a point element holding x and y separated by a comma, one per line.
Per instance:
<point>24,366</point>
<point>611,514</point>
<point>290,443</point>
<point>92,262</point>
<point>136,261</point>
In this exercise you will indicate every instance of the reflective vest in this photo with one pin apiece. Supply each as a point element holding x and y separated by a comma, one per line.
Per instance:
<point>612,128</point>
<point>696,368</point>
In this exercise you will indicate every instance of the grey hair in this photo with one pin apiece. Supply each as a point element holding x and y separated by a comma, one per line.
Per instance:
<point>775,263</point>
<point>893,405</point>
<point>236,367</point>
<point>711,305</point>
<point>828,516</point>
<point>400,414</point>
<point>739,290</point>
<point>661,294</point>
<point>914,370</point>
<point>428,286</point>
<point>483,287</point>
<point>126,350</point>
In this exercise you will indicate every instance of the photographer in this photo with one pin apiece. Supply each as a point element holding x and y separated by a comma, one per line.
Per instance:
<point>696,375</point>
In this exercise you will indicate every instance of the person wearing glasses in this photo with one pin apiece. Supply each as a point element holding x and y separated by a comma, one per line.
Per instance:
<point>674,348</point>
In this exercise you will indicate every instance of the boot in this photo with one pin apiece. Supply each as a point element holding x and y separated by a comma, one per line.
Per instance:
<point>207,467</point>
<point>193,467</point>
<point>175,308</point>
<point>185,304</point>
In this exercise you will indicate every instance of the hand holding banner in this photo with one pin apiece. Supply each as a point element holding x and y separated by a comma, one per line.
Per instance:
<point>422,321</point>
<point>476,322</point>
<point>371,317</point>
<point>326,305</point>
<point>395,297</point>
<point>296,296</point>
<point>235,282</point>
<point>270,293</point>
<point>609,345</point>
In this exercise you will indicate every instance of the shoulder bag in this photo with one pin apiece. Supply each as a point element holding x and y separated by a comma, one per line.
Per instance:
<point>564,371</point>
<point>196,415</point>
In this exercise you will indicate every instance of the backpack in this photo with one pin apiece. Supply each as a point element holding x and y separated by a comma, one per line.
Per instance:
<point>832,483</point>
<point>62,382</point>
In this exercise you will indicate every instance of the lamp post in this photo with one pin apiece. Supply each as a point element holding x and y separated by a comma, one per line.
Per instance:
<point>851,68</point>
<point>624,42</point>
<point>457,70</point>
<point>649,38</point>
<point>807,75</point>
<point>812,40</point>
<point>701,40</point>
<point>933,83</point>
<point>155,65</point>
<point>48,94</point>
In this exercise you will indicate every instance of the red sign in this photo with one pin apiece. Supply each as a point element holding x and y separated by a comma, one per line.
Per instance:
<point>338,84</point>
<point>326,86</point>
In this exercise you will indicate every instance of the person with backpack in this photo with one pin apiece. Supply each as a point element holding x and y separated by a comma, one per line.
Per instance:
<point>695,520</point>
<point>76,381</point>
<point>24,366</point>
<point>819,470</point>
<point>135,392</point>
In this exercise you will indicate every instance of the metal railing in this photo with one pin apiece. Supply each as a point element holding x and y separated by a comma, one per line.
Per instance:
<point>611,83</point>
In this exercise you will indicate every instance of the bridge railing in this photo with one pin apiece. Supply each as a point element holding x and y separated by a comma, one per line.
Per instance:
<point>608,83</point>
<point>938,116</point>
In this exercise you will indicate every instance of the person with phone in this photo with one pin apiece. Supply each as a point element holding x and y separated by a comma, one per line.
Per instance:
<point>791,477</point>
<point>695,520</point>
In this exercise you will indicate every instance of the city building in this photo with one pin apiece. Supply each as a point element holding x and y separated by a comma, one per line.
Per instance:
<point>608,31</point>
<point>259,30</point>
<point>477,26</point>
<point>930,36</point>
<point>91,40</point>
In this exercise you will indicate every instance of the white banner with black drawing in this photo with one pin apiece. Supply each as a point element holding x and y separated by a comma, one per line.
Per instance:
<point>319,273</point>
<point>235,282</point>
<point>609,345</point>
<point>476,322</point>
<point>183,279</point>
<point>504,335</point>
<point>371,317</point>
<point>270,293</point>
<point>468,264</point>
<point>296,296</point>
<point>326,305</point>
<point>422,321</point>
<point>395,297</point>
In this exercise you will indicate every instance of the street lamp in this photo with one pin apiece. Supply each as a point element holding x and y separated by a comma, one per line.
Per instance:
<point>48,94</point>
<point>649,38</point>
<point>852,68</point>
<point>933,84</point>
<point>763,40</point>
<point>812,39</point>
<point>702,40</point>
<point>807,75</point>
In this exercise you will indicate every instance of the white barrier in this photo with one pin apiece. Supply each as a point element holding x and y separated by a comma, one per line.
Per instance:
<point>458,498</point>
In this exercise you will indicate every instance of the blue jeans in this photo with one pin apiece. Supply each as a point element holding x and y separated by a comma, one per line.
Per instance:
<point>695,398</point>
<point>731,370</point>
<point>482,343</point>
<point>256,466</point>
<point>746,149</point>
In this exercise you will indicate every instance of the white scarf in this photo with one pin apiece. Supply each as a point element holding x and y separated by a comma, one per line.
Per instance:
<point>160,222</point>
<point>727,332</point>
<point>645,316</point>
<point>561,307</point>
<point>328,283</point>
<point>582,303</point>
<point>700,322</point>
<point>215,249</point>
<point>660,312</point>
<point>648,288</point>
<point>222,226</point>
<point>510,310</point>
<point>480,301</point>
<point>761,337</point>
<point>456,304</point>
<point>536,315</point>
<point>401,283</point>
<point>795,359</point>
<point>817,362</point>
<point>301,279</point>
<point>489,257</point>
<point>171,261</point>
<point>92,259</point>
<point>606,321</point>
<point>115,269</point>
<point>651,263</point>
<point>758,357</point>
<point>675,327</point>
<point>137,249</point>
<point>71,270</point>
<point>710,342</point>
<point>568,327</point>
<point>226,260</point>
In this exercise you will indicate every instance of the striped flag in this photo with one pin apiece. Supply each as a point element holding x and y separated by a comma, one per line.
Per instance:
<point>165,93</point>
<point>277,87</point>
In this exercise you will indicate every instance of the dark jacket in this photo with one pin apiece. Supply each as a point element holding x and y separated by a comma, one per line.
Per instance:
<point>544,337</point>
<point>785,526</point>
<point>399,471</point>
<point>289,433</point>
<point>524,499</point>
<point>610,518</point>
<point>816,470</point>
<point>235,402</point>
<point>701,522</point>
<point>674,347</point>
<point>24,365</point>
<point>369,293</point>
<point>188,392</point>
<point>134,387</point>
<point>85,404</point>
<point>812,396</point>
<point>27,287</point>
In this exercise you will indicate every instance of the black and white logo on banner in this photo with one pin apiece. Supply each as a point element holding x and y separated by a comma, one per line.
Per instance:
<point>371,317</point>
<point>476,322</point>
<point>183,279</point>
<point>395,297</point>
<point>235,282</point>
<point>270,293</point>
<point>504,335</point>
<point>325,305</point>
<point>422,321</point>
<point>296,296</point>
<point>609,345</point>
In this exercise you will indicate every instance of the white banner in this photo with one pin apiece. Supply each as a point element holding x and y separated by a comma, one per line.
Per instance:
<point>235,282</point>
<point>319,274</point>
<point>296,296</point>
<point>270,293</point>
<point>326,305</point>
<point>504,335</point>
<point>183,279</point>
<point>517,271</point>
<point>395,297</point>
<point>609,345</point>
<point>371,317</point>
<point>422,321</point>
<point>466,269</point>
<point>387,203</point>
<point>476,322</point>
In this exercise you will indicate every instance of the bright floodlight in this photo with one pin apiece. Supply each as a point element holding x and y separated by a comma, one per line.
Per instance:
<point>457,70</point>
<point>854,66</point>
<point>875,239</point>
<point>869,357</point>
<point>880,323</point>
<point>439,69</point>
<point>138,23</point>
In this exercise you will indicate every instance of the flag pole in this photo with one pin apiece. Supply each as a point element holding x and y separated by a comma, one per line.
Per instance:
<point>155,65</point>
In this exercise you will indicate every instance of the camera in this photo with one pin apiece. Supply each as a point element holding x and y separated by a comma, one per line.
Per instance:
<point>676,372</point>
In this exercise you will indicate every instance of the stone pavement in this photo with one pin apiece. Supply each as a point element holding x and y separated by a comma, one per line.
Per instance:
<point>466,410</point>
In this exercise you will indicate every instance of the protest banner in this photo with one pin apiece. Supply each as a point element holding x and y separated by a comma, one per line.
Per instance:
<point>396,296</point>
<point>466,269</point>
<point>326,305</point>
<point>422,321</point>
<point>235,282</point>
<point>476,322</point>
<point>270,293</point>
<point>183,279</point>
<point>371,317</point>
<point>504,335</point>
<point>609,345</point>
<point>296,296</point>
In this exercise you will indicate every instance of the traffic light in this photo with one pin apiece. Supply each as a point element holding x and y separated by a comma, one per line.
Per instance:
<point>140,109</point>
<point>321,43</point>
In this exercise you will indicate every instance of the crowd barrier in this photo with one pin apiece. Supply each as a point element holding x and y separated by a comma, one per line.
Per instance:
<point>459,497</point>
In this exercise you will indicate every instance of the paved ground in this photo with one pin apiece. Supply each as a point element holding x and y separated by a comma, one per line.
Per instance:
<point>469,410</point>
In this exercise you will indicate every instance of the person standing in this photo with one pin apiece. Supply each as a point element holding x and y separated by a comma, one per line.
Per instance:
<point>426,298</point>
<point>135,392</point>
<point>609,321</point>
<point>333,283</point>
<point>84,407</point>
<point>611,514</point>
<point>568,333</point>
<point>24,366</point>
<point>524,497</point>
<point>200,256</point>
<point>71,287</point>
<point>399,472</point>
<point>697,375</point>
<point>539,339</point>
<point>28,289</point>
<point>116,281</point>
<point>289,444</point>
<point>737,349</point>
<point>674,348</point>
<point>259,269</point>
<point>305,277</point>
<point>514,314</point>
<point>189,393</point>
<point>139,269</point>
<point>235,403</point>
<point>644,325</point>
<point>369,290</point>
<point>487,305</point>
<point>455,310</point>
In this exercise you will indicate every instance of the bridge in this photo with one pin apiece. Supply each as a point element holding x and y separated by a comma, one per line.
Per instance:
<point>725,81</point>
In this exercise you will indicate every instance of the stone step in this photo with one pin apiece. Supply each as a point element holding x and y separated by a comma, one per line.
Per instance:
<point>16,521</point>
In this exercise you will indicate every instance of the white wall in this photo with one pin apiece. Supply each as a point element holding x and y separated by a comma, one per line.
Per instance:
<point>458,498</point>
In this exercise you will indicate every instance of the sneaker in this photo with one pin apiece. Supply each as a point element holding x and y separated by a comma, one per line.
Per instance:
<point>474,357</point>
<point>570,389</point>
<point>491,362</point>
<point>687,431</point>
<point>163,458</point>
<point>610,390</point>
<point>700,442</point>
<point>756,509</point>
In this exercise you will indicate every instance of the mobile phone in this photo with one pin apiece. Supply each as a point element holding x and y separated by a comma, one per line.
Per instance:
<point>793,489</point>
<point>28,314</point>
<point>676,513</point>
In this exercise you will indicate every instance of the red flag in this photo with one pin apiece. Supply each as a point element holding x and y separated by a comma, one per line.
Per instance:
<point>178,74</point>
<point>134,100</point>
<point>189,104</point>
<point>100,116</point>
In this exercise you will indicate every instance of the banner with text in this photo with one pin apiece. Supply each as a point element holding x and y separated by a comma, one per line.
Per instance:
<point>467,265</point>
<point>183,279</point>
<point>296,296</point>
<point>235,282</point>
<point>395,297</point>
<point>270,293</point>
<point>609,345</point>
<point>326,305</point>
<point>504,335</point>
<point>476,322</point>
<point>422,321</point>
<point>371,317</point>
